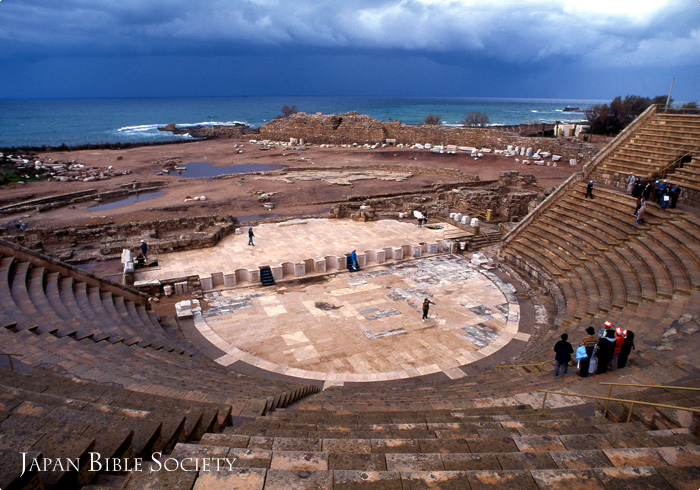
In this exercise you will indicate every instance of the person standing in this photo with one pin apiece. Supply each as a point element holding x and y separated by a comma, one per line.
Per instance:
<point>563,351</point>
<point>588,342</point>
<point>426,308</point>
<point>641,210</point>
<point>250,236</point>
<point>648,189</point>
<point>627,347</point>
<point>675,194</point>
<point>589,190</point>
<point>630,183</point>
<point>144,249</point>
<point>620,334</point>
<point>606,350</point>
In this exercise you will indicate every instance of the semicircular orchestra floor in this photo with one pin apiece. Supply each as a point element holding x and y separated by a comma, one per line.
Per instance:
<point>366,326</point>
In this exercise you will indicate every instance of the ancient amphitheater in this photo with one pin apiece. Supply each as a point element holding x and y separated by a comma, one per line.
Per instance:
<point>88,368</point>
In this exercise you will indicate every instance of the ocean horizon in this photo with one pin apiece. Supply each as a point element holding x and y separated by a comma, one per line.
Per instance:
<point>80,121</point>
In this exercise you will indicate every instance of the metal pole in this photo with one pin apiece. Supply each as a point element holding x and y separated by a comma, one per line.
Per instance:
<point>12,367</point>
<point>629,415</point>
<point>544,399</point>
<point>605,413</point>
<point>668,99</point>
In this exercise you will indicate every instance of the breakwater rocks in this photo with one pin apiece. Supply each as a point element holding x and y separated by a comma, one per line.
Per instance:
<point>354,128</point>
<point>211,132</point>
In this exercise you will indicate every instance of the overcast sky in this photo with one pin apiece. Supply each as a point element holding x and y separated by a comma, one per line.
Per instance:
<point>593,49</point>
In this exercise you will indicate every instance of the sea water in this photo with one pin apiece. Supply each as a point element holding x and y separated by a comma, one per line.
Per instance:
<point>52,122</point>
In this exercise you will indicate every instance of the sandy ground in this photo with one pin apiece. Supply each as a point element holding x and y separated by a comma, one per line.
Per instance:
<point>237,196</point>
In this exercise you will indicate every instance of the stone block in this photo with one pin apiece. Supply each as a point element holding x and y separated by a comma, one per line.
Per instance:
<point>277,272</point>
<point>397,253</point>
<point>229,280</point>
<point>331,262</point>
<point>181,287</point>
<point>206,283</point>
<point>217,278</point>
<point>299,269</point>
<point>288,269</point>
<point>242,275</point>
<point>319,266</point>
<point>309,265</point>
<point>371,256</point>
<point>361,260</point>
<point>254,275</point>
<point>416,250</point>
<point>433,248</point>
<point>380,256</point>
<point>235,479</point>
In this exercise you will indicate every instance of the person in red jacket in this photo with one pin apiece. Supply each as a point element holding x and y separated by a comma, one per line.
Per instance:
<point>620,334</point>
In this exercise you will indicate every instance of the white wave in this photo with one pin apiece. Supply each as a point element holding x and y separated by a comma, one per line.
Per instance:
<point>139,129</point>
<point>209,123</point>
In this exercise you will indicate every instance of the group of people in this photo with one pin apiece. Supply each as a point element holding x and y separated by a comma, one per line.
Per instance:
<point>661,192</point>
<point>609,349</point>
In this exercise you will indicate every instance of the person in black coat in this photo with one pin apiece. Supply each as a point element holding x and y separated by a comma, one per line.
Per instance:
<point>606,350</point>
<point>627,347</point>
<point>562,357</point>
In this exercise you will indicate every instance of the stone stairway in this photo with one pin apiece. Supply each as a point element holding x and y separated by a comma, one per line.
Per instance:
<point>266,277</point>
<point>661,141</point>
<point>478,448</point>
<point>604,266</point>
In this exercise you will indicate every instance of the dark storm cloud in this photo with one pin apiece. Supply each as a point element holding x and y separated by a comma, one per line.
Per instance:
<point>666,32</point>
<point>440,47</point>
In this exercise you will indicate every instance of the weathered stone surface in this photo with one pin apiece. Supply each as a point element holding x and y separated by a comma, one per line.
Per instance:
<point>414,462</point>
<point>296,444</point>
<point>444,480</point>
<point>497,480</point>
<point>298,480</point>
<point>347,446</point>
<point>526,461</point>
<point>631,479</point>
<point>364,462</point>
<point>467,461</point>
<point>299,460</point>
<point>369,480</point>
<point>568,479</point>
<point>228,440</point>
<point>591,458</point>
<point>251,458</point>
<point>237,479</point>
<point>635,457</point>
<point>681,478</point>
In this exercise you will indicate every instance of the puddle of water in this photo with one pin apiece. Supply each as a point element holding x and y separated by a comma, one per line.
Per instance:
<point>118,202</point>
<point>204,169</point>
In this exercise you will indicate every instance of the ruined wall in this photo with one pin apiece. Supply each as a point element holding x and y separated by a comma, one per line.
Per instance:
<point>352,127</point>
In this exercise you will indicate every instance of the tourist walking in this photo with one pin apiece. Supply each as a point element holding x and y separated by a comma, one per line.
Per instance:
<point>144,249</point>
<point>589,190</point>
<point>588,342</point>
<point>426,308</point>
<point>627,347</point>
<point>251,235</point>
<point>562,357</point>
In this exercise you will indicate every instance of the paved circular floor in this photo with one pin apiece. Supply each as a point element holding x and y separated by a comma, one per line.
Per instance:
<point>366,326</point>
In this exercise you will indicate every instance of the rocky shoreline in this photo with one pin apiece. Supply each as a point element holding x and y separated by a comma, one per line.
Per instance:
<point>211,132</point>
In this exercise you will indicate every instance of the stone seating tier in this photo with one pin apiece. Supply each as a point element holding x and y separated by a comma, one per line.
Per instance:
<point>498,447</point>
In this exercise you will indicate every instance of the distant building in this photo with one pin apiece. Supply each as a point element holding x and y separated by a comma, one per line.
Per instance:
<point>571,129</point>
